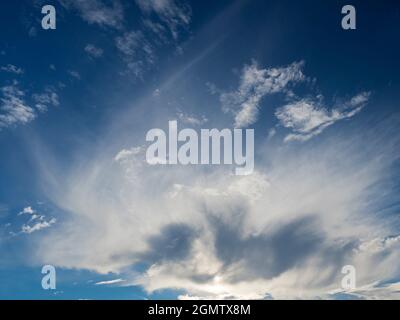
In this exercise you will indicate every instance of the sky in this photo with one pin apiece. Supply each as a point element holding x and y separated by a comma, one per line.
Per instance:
<point>77,193</point>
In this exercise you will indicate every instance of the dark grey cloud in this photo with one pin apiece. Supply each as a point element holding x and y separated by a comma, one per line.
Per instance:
<point>266,255</point>
<point>172,243</point>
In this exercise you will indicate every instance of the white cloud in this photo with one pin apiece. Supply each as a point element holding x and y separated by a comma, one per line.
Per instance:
<point>172,13</point>
<point>42,224</point>
<point>104,14</point>
<point>13,109</point>
<point>129,43</point>
<point>74,74</point>
<point>12,69</point>
<point>27,210</point>
<point>137,51</point>
<point>109,282</point>
<point>157,29</point>
<point>271,133</point>
<point>373,291</point>
<point>379,244</point>
<point>126,154</point>
<point>43,100</point>
<point>156,92</point>
<point>284,231</point>
<point>255,83</point>
<point>308,118</point>
<point>212,88</point>
<point>191,119</point>
<point>36,221</point>
<point>93,51</point>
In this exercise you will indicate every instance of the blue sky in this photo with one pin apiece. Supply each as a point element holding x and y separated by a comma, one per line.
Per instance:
<point>76,103</point>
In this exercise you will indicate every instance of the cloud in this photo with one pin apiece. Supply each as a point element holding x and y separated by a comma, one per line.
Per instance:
<point>42,224</point>
<point>136,47</point>
<point>74,74</point>
<point>308,118</point>
<point>13,109</point>
<point>137,51</point>
<point>190,119</point>
<point>129,43</point>
<point>212,88</point>
<point>282,232</point>
<point>109,282</point>
<point>172,13</point>
<point>373,291</point>
<point>32,32</point>
<point>12,69</point>
<point>255,83</point>
<point>104,14</point>
<point>379,244</point>
<point>93,51</point>
<point>156,92</point>
<point>27,210</point>
<point>36,221</point>
<point>127,155</point>
<point>156,28</point>
<point>43,100</point>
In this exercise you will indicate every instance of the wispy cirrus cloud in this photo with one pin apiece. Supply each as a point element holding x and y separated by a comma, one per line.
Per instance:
<point>157,29</point>
<point>13,108</point>
<point>93,51</point>
<point>256,83</point>
<point>275,233</point>
<point>26,210</point>
<point>283,232</point>
<point>137,46</point>
<point>36,221</point>
<point>308,118</point>
<point>109,282</point>
<point>379,244</point>
<point>37,226</point>
<point>172,13</point>
<point>46,99</point>
<point>161,23</point>
<point>373,291</point>
<point>10,68</point>
<point>136,50</point>
<point>98,12</point>
<point>75,74</point>
<point>191,119</point>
